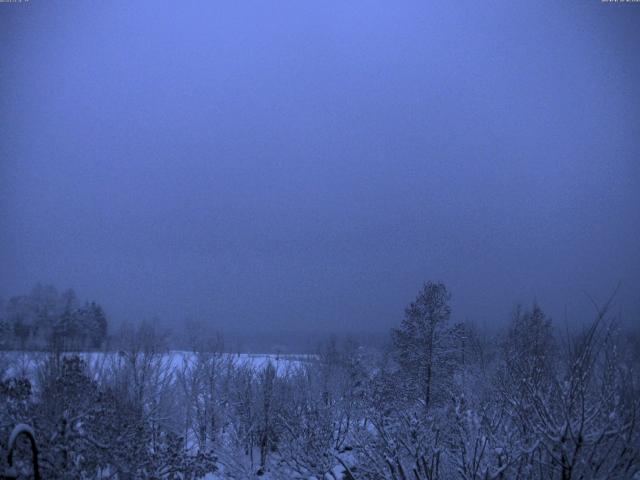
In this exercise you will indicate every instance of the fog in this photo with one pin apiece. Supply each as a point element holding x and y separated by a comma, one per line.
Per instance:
<point>305,167</point>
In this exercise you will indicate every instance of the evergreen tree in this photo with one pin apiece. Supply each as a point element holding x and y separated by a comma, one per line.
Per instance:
<point>422,343</point>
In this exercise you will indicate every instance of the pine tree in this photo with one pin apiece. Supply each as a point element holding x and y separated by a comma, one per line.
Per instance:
<point>421,344</point>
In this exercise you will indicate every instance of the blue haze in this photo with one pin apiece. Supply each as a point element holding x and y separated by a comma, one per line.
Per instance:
<point>305,166</point>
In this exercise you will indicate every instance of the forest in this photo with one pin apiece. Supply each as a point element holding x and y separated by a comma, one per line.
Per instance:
<point>440,400</point>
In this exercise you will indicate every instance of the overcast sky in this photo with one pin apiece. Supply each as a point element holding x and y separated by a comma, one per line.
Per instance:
<point>307,165</point>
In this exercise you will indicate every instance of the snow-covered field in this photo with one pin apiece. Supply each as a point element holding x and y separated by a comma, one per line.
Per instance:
<point>21,363</point>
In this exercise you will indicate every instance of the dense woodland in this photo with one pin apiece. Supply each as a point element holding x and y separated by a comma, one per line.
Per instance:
<point>441,401</point>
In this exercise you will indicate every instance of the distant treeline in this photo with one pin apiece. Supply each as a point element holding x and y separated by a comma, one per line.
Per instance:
<point>47,319</point>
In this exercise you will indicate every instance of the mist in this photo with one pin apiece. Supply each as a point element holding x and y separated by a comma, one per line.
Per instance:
<point>337,240</point>
<point>304,167</point>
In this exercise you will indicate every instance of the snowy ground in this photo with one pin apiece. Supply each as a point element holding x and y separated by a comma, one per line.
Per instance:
<point>20,363</point>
